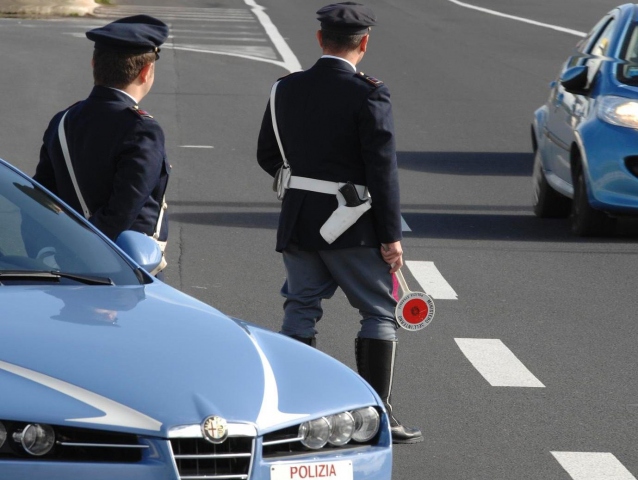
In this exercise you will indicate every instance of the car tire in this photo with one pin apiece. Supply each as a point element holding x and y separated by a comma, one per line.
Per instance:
<point>547,202</point>
<point>586,221</point>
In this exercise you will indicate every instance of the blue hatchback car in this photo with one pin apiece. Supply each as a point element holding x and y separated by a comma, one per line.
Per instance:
<point>585,138</point>
<point>108,373</point>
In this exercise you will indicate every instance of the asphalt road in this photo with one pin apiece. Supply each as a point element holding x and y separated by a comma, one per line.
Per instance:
<point>557,310</point>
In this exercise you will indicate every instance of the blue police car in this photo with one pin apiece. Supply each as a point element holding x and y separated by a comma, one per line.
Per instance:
<point>585,138</point>
<point>106,372</point>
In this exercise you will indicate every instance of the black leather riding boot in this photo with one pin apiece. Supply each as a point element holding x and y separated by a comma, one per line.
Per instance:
<point>312,341</point>
<point>375,362</point>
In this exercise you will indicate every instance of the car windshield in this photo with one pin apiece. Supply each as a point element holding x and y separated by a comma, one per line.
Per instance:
<point>38,236</point>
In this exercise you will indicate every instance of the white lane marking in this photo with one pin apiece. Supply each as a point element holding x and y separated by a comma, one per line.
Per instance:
<point>592,466</point>
<point>431,280</point>
<point>269,414</point>
<point>520,19</point>
<point>290,60</point>
<point>260,54</point>
<point>225,33</point>
<point>115,413</point>
<point>225,37</point>
<point>498,365</point>
<point>404,226</point>
<point>213,14</point>
<point>197,146</point>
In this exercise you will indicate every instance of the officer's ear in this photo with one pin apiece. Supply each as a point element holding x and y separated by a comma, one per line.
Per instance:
<point>363,46</point>
<point>145,73</point>
<point>320,38</point>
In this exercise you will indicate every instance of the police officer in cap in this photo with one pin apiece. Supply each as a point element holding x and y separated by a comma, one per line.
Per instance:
<point>335,126</point>
<point>118,169</point>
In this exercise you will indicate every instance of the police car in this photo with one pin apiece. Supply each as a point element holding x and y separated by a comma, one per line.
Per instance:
<point>106,372</point>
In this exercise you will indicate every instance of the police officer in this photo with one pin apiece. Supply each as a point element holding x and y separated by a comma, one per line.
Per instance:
<point>336,126</point>
<point>116,149</point>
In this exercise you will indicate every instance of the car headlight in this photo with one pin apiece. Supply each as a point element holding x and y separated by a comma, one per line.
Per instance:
<point>315,433</point>
<point>36,439</point>
<point>341,428</point>
<point>618,111</point>
<point>337,430</point>
<point>366,424</point>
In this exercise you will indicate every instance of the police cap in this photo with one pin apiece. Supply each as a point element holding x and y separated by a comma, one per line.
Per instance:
<point>349,18</point>
<point>136,34</point>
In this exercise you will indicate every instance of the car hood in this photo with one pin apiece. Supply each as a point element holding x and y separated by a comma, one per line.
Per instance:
<point>149,358</point>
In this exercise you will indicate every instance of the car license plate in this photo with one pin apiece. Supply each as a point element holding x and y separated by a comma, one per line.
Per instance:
<point>316,470</point>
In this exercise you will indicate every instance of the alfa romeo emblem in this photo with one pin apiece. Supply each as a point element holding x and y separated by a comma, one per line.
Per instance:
<point>215,429</point>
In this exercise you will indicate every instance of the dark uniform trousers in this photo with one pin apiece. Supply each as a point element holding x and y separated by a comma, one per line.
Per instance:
<point>313,276</point>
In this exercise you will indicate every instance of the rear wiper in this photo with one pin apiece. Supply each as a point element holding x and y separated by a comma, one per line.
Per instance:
<point>53,275</point>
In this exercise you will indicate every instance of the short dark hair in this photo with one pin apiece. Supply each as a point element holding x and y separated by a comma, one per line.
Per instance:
<point>340,42</point>
<point>117,69</point>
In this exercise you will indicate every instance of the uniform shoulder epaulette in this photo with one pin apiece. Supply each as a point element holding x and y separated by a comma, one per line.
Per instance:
<point>374,81</point>
<point>140,112</point>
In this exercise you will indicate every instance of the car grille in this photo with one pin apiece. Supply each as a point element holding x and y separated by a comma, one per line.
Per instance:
<point>197,458</point>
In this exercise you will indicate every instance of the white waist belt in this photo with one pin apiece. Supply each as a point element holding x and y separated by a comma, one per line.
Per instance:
<point>323,186</point>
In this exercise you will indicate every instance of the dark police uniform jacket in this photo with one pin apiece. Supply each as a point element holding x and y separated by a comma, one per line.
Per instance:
<point>335,125</point>
<point>120,163</point>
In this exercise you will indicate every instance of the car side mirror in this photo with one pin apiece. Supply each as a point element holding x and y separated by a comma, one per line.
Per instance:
<point>575,80</point>
<point>142,249</point>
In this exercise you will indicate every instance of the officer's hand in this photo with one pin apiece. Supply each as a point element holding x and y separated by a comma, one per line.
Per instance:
<point>392,254</point>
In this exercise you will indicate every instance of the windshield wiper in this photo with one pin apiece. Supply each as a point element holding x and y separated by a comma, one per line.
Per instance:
<point>53,275</point>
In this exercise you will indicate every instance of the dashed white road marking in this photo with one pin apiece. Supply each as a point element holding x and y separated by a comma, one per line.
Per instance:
<point>520,19</point>
<point>592,466</point>
<point>404,226</point>
<point>431,280</point>
<point>197,146</point>
<point>498,365</point>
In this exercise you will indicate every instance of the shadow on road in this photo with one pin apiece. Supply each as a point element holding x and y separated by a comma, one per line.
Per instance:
<point>249,219</point>
<point>515,226</point>
<point>468,163</point>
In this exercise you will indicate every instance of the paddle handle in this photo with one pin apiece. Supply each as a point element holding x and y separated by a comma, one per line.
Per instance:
<point>399,274</point>
<point>402,282</point>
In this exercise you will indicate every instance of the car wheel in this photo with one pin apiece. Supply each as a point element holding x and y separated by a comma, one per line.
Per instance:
<point>546,201</point>
<point>585,220</point>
